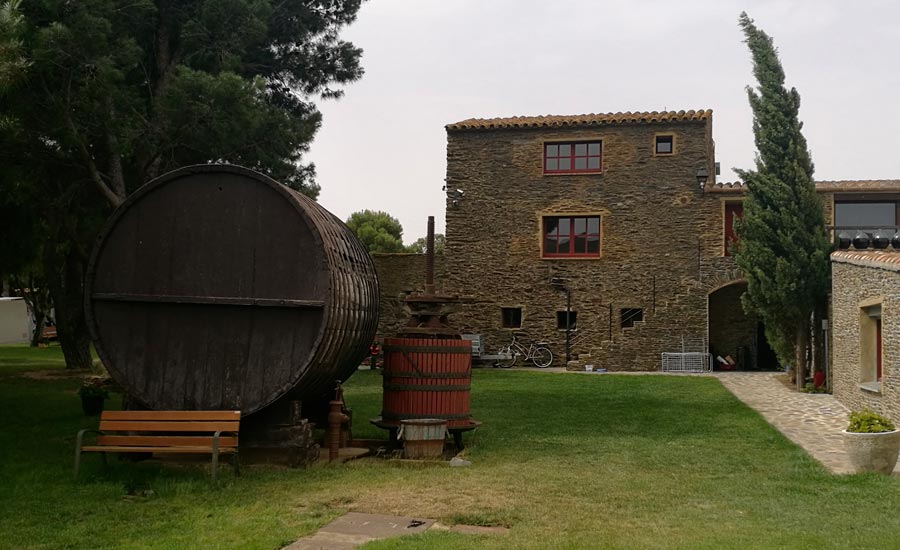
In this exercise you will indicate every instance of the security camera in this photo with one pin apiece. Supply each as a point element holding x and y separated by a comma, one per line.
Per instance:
<point>454,193</point>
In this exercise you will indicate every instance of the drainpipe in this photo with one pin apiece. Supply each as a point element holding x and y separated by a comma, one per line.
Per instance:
<point>825,362</point>
<point>568,325</point>
<point>560,284</point>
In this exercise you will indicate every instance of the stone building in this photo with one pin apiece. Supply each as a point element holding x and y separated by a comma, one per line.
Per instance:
<point>610,207</point>
<point>621,216</point>
<point>866,330</point>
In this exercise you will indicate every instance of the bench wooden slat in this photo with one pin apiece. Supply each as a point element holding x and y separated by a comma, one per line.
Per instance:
<point>171,415</point>
<point>166,441</point>
<point>129,449</point>
<point>164,426</point>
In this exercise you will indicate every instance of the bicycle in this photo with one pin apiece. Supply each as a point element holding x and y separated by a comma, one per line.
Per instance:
<point>537,352</point>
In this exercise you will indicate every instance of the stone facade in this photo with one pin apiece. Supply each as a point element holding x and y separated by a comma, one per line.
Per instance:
<point>862,281</point>
<point>662,240</point>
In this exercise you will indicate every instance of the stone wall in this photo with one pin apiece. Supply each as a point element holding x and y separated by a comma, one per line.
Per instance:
<point>661,238</point>
<point>859,281</point>
<point>398,275</point>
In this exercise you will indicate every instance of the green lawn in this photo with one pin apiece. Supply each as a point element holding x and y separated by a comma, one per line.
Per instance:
<point>566,461</point>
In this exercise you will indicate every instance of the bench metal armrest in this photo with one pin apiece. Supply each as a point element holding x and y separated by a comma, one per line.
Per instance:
<point>79,443</point>
<point>80,437</point>
<point>215,453</point>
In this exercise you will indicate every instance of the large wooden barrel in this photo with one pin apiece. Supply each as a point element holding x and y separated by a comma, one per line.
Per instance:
<point>427,378</point>
<point>216,287</point>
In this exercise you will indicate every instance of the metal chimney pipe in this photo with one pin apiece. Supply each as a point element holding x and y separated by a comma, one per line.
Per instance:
<point>429,258</point>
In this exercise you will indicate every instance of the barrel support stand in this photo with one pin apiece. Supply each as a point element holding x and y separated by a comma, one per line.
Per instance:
<point>457,433</point>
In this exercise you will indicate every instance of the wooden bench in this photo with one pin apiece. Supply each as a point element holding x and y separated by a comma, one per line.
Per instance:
<point>190,432</point>
<point>49,333</point>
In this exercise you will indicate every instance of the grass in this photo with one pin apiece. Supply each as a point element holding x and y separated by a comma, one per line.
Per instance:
<point>565,461</point>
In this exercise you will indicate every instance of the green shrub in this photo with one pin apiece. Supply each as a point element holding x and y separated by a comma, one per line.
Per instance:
<point>809,388</point>
<point>869,422</point>
<point>94,386</point>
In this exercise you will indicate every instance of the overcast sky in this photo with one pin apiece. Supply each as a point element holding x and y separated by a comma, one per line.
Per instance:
<point>432,62</point>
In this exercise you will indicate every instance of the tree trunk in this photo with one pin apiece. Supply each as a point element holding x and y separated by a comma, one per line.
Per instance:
<point>800,344</point>
<point>37,335</point>
<point>66,283</point>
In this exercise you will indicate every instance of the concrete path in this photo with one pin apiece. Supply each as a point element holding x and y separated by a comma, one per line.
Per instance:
<point>355,529</point>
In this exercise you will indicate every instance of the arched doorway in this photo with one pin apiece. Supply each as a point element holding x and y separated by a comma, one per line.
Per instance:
<point>735,335</point>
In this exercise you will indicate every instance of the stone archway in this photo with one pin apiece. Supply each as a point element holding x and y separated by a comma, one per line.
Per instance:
<point>723,279</point>
<point>732,333</point>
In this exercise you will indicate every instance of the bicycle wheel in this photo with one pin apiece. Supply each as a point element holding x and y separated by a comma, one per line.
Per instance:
<point>512,356</point>
<point>542,357</point>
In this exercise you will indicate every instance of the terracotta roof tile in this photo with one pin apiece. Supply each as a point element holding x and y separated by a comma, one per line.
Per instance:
<point>727,187</point>
<point>868,258</point>
<point>579,120</point>
<point>858,185</point>
<point>845,186</point>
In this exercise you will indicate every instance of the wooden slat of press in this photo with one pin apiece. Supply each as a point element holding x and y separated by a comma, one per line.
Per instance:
<point>171,415</point>
<point>165,441</point>
<point>163,426</point>
<point>129,449</point>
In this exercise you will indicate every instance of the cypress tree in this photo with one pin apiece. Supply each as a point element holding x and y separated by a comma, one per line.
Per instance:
<point>783,249</point>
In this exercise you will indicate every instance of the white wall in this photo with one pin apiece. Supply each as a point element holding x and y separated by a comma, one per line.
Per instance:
<point>15,322</point>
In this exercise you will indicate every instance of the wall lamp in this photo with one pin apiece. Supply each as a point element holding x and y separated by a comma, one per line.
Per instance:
<point>702,177</point>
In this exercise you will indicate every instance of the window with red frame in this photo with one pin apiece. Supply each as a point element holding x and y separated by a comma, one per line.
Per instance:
<point>574,157</point>
<point>569,236</point>
<point>733,211</point>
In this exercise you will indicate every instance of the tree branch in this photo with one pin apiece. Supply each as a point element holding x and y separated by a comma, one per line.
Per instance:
<point>96,177</point>
<point>116,175</point>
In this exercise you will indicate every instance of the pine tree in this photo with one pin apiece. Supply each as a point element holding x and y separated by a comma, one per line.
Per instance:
<point>377,231</point>
<point>783,248</point>
<point>97,97</point>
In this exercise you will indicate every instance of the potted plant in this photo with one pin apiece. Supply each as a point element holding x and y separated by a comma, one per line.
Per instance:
<point>872,442</point>
<point>93,393</point>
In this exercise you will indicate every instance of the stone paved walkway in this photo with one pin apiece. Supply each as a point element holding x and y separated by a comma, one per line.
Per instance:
<point>811,420</point>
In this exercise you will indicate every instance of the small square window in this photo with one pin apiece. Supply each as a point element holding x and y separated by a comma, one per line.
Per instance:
<point>665,145</point>
<point>561,320</point>
<point>629,316</point>
<point>512,317</point>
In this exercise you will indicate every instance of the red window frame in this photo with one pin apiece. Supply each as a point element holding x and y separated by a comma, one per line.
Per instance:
<point>564,235</point>
<point>553,153</point>
<point>732,210</point>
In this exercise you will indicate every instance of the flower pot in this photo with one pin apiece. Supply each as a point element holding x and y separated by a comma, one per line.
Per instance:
<point>818,379</point>
<point>873,452</point>
<point>92,405</point>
